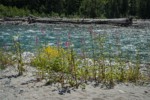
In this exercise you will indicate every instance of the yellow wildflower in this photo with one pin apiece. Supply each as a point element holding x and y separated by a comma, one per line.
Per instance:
<point>51,52</point>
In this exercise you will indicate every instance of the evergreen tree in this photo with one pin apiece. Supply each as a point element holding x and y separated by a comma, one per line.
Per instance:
<point>124,8</point>
<point>84,8</point>
<point>72,7</point>
<point>133,7</point>
<point>144,9</point>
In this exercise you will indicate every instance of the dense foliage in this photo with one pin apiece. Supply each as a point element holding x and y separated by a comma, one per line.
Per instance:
<point>76,8</point>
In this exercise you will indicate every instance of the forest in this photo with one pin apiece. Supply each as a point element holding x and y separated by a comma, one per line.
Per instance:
<point>76,8</point>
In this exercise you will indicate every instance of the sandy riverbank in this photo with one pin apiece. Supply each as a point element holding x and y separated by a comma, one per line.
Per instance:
<point>26,87</point>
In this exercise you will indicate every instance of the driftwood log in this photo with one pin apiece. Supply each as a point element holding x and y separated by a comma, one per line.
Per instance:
<point>14,19</point>
<point>119,21</point>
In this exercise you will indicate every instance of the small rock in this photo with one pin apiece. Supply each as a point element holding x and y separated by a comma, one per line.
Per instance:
<point>64,90</point>
<point>145,91</point>
<point>61,92</point>
<point>21,91</point>
<point>121,91</point>
<point>68,91</point>
<point>54,90</point>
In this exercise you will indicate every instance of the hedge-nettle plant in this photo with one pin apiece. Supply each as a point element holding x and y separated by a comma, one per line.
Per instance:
<point>101,42</point>
<point>120,65</point>
<point>93,52</point>
<point>18,54</point>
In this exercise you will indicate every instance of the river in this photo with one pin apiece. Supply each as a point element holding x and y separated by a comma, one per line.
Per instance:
<point>130,40</point>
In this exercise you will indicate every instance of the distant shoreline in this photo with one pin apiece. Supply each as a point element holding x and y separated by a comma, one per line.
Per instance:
<point>139,23</point>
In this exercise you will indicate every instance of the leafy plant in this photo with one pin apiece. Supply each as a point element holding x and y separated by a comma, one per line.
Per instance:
<point>133,73</point>
<point>18,55</point>
<point>5,59</point>
<point>52,62</point>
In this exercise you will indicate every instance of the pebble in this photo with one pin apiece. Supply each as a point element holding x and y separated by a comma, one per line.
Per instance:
<point>121,91</point>
<point>145,91</point>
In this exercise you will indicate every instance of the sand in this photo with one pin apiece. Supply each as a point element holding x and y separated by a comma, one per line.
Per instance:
<point>26,87</point>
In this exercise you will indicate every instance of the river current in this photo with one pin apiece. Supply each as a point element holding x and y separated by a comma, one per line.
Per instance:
<point>130,39</point>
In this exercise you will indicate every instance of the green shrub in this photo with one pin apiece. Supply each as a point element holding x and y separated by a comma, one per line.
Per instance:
<point>5,59</point>
<point>50,61</point>
<point>13,11</point>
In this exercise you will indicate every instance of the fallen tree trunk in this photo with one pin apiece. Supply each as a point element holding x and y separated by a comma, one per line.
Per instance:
<point>120,21</point>
<point>15,19</point>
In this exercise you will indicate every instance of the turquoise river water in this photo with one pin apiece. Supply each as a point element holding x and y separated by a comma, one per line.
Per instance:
<point>31,37</point>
